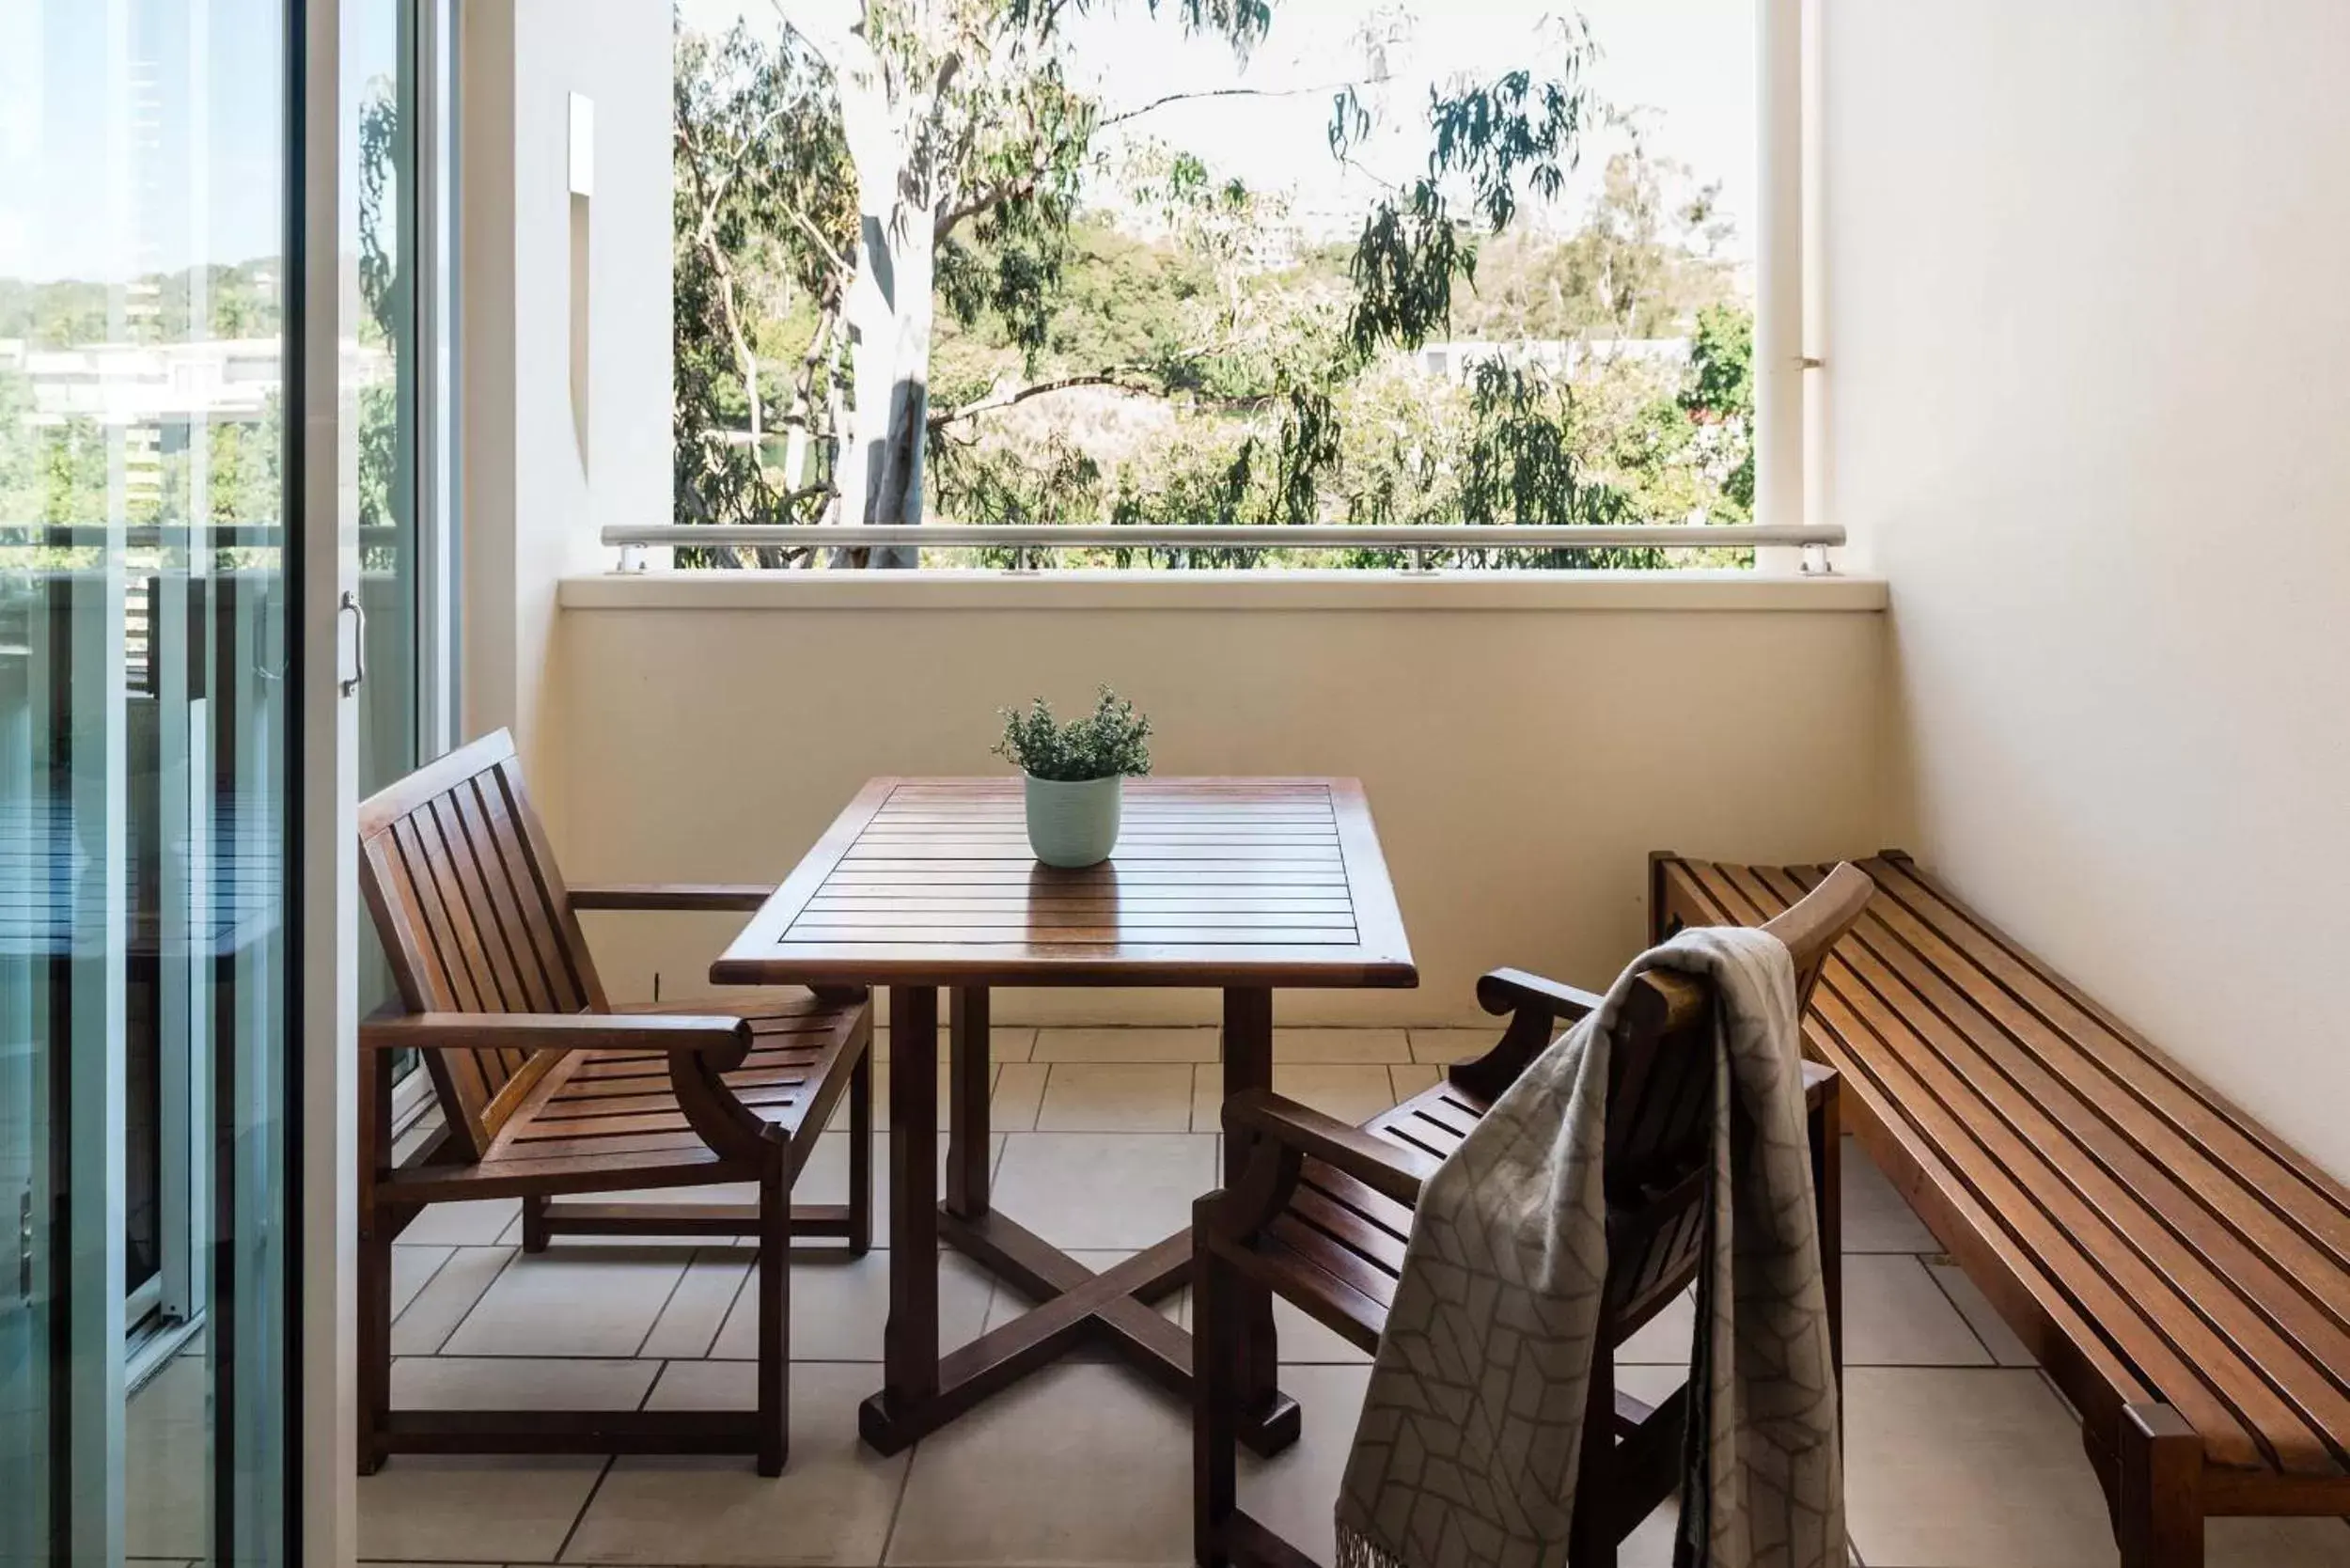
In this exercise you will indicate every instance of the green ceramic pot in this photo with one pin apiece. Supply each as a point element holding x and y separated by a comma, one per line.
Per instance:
<point>1073,824</point>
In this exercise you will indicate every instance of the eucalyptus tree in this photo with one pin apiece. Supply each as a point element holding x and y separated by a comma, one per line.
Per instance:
<point>954,114</point>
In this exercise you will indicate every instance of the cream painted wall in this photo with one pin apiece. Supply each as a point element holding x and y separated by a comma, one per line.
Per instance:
<point>2087,325</point>
<point>1525,744</point>
<point>534,500</point>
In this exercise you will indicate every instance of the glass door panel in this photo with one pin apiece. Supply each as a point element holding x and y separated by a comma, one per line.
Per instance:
<point>145,780</point>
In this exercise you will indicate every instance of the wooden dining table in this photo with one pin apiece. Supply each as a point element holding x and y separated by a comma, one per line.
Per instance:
<point>1243,885</point>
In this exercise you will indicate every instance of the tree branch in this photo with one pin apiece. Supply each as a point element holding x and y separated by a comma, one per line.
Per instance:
<point>995,403</point>
<point>1163,101</point>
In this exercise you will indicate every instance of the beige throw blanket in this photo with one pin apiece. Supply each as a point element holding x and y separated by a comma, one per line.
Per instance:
<point>1467,1451</point>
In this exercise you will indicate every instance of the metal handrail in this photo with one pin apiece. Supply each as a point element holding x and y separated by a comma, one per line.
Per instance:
<point>1227,535</point>
<point>1417,539</point>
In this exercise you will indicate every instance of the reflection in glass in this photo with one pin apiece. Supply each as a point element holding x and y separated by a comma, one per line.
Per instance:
<point>145,780</point>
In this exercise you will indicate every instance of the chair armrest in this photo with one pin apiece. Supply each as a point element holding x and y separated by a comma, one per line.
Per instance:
<point>1516,991</point>
<point>710,1034</point>
<point>1385,1167</point>
<point>698,897</point>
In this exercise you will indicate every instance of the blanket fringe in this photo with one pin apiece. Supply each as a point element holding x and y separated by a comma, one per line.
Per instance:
<point>1355,1552</point>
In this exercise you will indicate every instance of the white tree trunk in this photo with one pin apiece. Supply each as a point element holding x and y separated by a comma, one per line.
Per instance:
<point>888,310</point>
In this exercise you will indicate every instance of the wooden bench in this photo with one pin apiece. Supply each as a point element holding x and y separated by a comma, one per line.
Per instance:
<point>1320,1213</point>
<point>551,1094</point>
<point>2182,1275</point>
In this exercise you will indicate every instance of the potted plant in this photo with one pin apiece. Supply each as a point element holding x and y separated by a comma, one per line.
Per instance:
<point>1074,773</point>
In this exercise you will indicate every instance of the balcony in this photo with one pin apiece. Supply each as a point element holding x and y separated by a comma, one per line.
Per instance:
<point>2044,347</point>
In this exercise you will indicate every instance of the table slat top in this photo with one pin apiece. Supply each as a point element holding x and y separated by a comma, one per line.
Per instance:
<point>1275,881</point>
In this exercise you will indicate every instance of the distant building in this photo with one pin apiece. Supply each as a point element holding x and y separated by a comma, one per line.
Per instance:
<point>1563,357</point>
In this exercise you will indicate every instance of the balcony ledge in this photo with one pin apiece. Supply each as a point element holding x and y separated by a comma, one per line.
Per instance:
<point>1640,591</point>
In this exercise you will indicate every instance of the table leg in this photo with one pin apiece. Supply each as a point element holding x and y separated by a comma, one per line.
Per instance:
<point>910,1338</point>
<point>969,1144</point>
<point>1268,1419</point>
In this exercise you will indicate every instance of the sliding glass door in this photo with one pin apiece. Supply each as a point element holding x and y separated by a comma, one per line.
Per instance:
<point>176,568</point>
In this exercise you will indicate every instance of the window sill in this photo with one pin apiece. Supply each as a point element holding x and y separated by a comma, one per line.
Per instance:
<point>1643,592</point>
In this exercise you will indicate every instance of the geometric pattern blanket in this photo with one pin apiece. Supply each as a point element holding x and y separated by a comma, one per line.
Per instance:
<point>1467,1451</point>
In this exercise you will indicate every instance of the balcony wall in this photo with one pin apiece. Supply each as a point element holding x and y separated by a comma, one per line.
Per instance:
<point>2086,320</point>
<point>1525,742</point>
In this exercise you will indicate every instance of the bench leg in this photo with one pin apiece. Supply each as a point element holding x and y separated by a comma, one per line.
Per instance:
<point>2159,1510</point>
<point>535,1230</point>
<point>1216,1330</point>
<point>1827,1194</point>
<point>775,1320</point>
<point>861,1155</point>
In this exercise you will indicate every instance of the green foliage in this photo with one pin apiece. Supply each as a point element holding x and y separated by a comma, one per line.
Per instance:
<point>1493,137</point>
<point>764,220</point>
<point>1113,741</point>
<point>1081,373</point>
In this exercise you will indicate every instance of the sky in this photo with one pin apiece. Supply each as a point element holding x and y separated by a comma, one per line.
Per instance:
<point>203,177</point>
<point>1688,66</point>
<point>144,136</point>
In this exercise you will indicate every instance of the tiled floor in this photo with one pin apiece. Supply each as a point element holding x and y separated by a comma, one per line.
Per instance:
<point>1961,1454</point>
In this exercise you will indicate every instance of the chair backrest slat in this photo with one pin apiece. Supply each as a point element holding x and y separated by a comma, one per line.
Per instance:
<point>1660,1109</point>
<point>474,919</point>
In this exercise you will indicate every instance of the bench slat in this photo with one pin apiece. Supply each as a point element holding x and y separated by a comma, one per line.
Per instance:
<point>2274,1388</point>
<point>2084,1311</point>
<point>2249,1252</point>
<point>2145,1217</point>
<point>2281,1181</point>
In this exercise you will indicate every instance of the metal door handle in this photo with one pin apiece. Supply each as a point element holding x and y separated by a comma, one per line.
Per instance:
<point>358,641</point>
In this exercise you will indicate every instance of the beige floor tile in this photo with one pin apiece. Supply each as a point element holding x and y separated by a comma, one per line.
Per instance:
<point>1207,1097</point>
<point>1082,1465</point>
<point>838,1310</point>
<point>1445,1047</point>
<point>1005,1042</point>
<point>442,1305</point>
<point>1300,1339</point>
<point>833,1504</point>
<point>826,1178</point>
<point>515,1383</point>
<point>1410,1078</point>
<point>1981,1316</point>
<point>412,1268</point>
<point>1895,1316</point>
<point>1011,1043</point>
<point>1019,1091</point>
<point>1969,1468</point>
<point>1341,1047</point>
<point>1665,1339</point>
<point>1104,1190</point>
<point>1126,1044</point>
<point>1116,1097</point>
<point>689,1322</point>
<point>1009,1303</point>
<point>1353,1095</point>
<point>571,1301</point>
<point>1293,1492</point>
<point>481,1224</point>
<point>1876,1218</point>
<point>2276,1544</point>
<point>430,1507</point>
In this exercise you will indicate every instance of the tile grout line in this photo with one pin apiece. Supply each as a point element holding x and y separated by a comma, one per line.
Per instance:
<point>693,1256</point>
<point>588,1501</point>
<point>1953,1300</point>
<point>449,1256</point>
<point>466,1316</point>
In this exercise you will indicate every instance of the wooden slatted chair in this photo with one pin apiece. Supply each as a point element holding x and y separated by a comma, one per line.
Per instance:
<point>1322,1211</point>
<point>547,1091</point>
